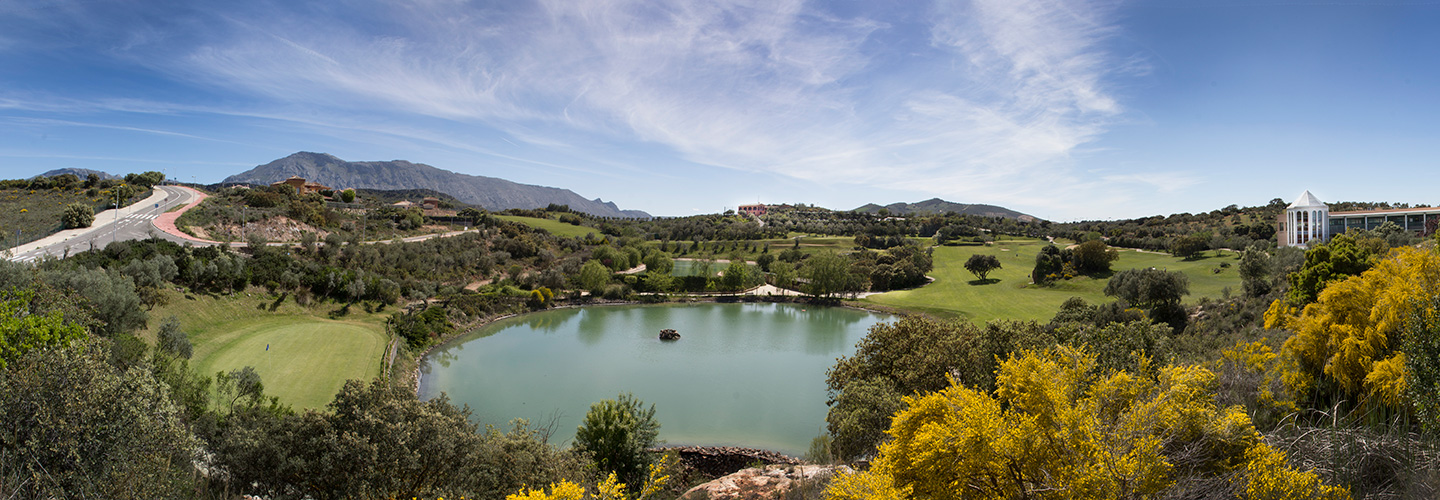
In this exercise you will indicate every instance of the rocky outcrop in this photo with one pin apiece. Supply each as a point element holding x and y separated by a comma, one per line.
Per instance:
<point>769,482</point>
<point>716,461</point>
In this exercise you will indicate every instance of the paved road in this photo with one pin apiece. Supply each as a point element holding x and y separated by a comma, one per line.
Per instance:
<point>130,223</point>
<point>137,222</point>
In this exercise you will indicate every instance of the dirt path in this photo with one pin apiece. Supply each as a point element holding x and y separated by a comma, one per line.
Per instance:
<point>768,289</point>
<point>476,285</point>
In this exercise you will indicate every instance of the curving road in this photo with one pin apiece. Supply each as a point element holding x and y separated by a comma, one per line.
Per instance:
<point>129,223</point>
<point>138,222</point>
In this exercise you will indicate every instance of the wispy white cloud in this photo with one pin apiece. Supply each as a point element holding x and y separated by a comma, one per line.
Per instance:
<point>143,130</point>
<point>992,101</point>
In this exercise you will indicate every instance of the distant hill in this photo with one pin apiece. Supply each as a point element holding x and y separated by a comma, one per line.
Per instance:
<point>82,173</point>
<point>488,192</point>
<point>939,206</point>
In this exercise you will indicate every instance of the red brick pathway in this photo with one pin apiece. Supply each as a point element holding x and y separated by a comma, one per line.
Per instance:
<point>166,221</point>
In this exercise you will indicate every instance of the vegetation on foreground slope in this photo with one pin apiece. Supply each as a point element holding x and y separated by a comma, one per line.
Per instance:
<point>1056,425</point>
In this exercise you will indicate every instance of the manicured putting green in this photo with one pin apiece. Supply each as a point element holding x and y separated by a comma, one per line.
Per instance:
<point>304,361</point>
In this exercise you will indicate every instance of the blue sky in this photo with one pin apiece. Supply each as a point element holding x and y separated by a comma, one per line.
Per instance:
<point>1062,109</point>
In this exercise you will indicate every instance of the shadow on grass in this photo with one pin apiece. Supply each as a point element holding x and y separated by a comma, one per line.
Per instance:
<point>1106,274</point>
<point>987,281</point>
<point>1228,254</point>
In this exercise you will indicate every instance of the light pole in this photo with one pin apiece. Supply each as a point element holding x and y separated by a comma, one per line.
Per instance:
<point>117,215</point>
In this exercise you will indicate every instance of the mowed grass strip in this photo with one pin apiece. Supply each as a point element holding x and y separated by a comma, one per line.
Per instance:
<point>310,357</point>
<point>555,227</point>
<point>1009,295</point>
<point>810,245</point>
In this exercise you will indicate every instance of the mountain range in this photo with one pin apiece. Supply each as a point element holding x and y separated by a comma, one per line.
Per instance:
<point>939,206</point>
<point>487,192</point>
<point>82,173</point>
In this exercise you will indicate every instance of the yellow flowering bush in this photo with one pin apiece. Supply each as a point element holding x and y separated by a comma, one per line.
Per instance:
<point>1057,428</point>
<point>1348,341</point>
<point>563,490</point>
<point>1268,477</point>
<point>609,489</point>
<point>1251,372</point>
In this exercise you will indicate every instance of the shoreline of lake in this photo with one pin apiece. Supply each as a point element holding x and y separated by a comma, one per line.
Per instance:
<point>739,368</point>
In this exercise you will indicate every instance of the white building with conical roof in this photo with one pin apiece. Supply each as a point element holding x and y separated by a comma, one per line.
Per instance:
<point>1309,220</point>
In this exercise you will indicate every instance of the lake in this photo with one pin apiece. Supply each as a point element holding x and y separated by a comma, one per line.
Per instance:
<point>741,375</point>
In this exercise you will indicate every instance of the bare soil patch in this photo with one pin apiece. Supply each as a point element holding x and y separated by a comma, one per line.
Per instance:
<point>278,228</point>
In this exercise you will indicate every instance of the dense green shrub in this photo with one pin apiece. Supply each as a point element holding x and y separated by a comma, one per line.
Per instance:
<point>419,329</point>
<point>616,433</point>
<point>74,426</point>
<point>77,215</point>
<point>378,441</point>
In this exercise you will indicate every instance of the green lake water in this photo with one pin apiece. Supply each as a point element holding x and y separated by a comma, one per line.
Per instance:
<point>742,374</point>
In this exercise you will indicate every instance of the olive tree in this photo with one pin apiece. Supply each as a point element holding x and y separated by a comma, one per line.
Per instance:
<point>111,295</point>
<point>171,340</point>
<point>1157,291</point>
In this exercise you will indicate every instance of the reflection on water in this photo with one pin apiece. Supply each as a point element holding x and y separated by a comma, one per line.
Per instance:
<point>547,323</point>
<point>742,374</point>
<point>444,358</point>
<point>591,327</point>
